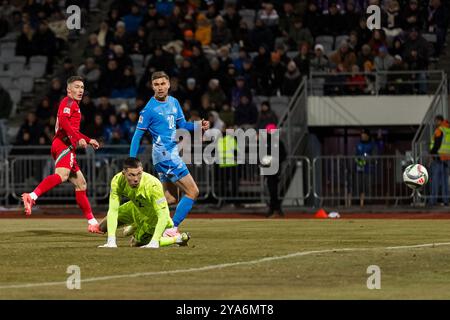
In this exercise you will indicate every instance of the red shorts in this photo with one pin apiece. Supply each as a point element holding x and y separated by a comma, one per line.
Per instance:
<point>64,156</point>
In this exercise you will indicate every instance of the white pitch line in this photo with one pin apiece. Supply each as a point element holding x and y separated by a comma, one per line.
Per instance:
<point>224,265</point>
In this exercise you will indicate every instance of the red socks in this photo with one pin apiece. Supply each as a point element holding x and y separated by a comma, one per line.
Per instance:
<point>84,204</point>
<point>47,184</point>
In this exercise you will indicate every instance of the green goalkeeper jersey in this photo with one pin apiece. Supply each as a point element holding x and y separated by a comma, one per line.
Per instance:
<point>148,199</point>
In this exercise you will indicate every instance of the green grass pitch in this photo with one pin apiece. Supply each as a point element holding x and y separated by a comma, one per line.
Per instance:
<point>279,260</point>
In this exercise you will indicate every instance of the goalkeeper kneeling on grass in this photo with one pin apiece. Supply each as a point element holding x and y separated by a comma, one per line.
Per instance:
<point>146,212</point>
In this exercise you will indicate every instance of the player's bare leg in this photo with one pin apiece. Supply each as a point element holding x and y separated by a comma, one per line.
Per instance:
<point>78,180</point>
<point>170,192</point>
<point>188,186</point>
<point>29,199</point>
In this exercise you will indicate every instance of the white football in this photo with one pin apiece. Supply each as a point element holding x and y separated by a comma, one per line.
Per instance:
<point>266,161</point>
<point>415,176</point>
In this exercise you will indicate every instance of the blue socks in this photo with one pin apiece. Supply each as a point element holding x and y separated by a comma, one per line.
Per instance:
<point>183,208</point>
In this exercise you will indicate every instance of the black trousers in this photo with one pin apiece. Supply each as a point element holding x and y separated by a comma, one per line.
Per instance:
<point>272,184</point>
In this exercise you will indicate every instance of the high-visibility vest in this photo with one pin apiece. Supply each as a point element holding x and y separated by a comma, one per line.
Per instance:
<point>226,147</point>
<point>445,145</point>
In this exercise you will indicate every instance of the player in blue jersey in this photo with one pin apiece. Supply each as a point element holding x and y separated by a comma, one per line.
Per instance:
<point>161,117</point>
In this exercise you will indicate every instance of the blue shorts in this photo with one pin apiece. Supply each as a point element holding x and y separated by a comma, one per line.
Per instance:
<point>171,171</point>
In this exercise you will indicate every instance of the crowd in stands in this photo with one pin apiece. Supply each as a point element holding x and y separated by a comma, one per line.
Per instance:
<point>221,54</point>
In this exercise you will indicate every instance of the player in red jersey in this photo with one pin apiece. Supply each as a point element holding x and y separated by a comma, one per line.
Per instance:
<point>66,140</point>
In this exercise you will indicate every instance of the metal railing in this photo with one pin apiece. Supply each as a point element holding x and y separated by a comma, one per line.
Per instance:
<point>294,122</point>
<point>375,83</point>
<point>344,179</point>
<point>324,180</point>
<point>439,105</point>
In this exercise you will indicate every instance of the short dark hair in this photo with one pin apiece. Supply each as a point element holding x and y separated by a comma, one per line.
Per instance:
<point>74,78</point>
<point>439,117</point>
<point>131,163</point>
<point>159,74</point>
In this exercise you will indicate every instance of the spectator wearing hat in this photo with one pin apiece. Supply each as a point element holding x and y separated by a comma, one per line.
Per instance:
<point>151,17</point>
<point>120,37</point>
<point>246,113</point>
<point>417,63</point>
<point>291,80</point>
<point>313,19</point>
<point>226,113</point>
<point>364,168</point>
<point>160,34</point>
<point>229,80</point>
<point>320,62</point>
<point>249,73</point>
<point>260,63</point>
<point>239,90</point>
<point>350,17</point>
<point>203,32</point>
<point>192,93</point>
<point>188,43</point>
<point>214,71</point>
<point>416,42</point>
<point>188,70</point>
<point>299,34</point>
<point>333,21</point>
<point>265,116</point>
<point>412,16</point>
<point>287,18</point>
<point>383,62</point>
<point>276,73</point>
<point>343,56</point>
<point>133,20</point>
<point>221,35</point>
<point>139,43</point>
<point>232,19</point>
<point>243,36</point>
<point>215,94</point>
<point>397,81</point>
<point>199,60</point>
<point>261,36</point>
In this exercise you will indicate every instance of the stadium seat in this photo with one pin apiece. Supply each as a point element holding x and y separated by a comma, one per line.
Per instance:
<point>430,37</point>
<point>25,83</point>
<point>326,41</point>
<point>253,54</point>
<point>8,49</point>
<point>37,66</point>
<point>16,96</point>
<point>339,40</point>
<point>279,105</point>
<point>138,60</point>
<point>16,68</point>
<point>5,81</point>
<point>257,100</point>
<point>291,54</point>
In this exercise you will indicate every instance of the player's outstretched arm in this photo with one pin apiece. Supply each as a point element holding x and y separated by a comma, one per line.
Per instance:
<point>113,215</point>
<point>136,142</point>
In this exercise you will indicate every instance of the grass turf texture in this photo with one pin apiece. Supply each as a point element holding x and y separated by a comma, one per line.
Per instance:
<point>37,251</point>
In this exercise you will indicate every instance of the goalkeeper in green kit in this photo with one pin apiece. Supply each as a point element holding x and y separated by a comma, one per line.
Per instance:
<point>146,212</point>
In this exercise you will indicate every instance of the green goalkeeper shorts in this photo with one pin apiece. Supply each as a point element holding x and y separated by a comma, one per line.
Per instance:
<point>143,222</point>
